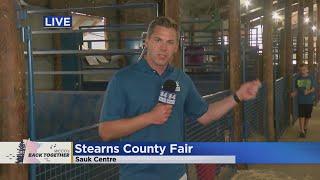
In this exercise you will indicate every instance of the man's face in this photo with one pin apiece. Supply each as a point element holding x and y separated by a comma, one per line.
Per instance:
<point>161,45</point>
<point>303,71</point>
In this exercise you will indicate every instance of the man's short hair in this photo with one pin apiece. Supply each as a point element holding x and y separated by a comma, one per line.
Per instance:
<point>303,65</point>
<point>164,22</point>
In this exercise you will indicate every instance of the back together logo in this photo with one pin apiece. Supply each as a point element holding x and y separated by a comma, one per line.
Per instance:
<point>47,152</point>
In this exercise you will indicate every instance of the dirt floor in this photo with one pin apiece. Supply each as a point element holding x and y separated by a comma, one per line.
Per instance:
<point>277,171</point>
<point>286,172</point>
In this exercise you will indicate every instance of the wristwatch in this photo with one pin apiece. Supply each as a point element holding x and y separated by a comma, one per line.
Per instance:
<point>236,98</point>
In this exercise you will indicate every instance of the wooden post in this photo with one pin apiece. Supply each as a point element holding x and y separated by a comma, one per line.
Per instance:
<point>268,64</point>
<point>310,37</point>
<point>300,37</point>
<point>192,34</point>
<point>246,30</point>
<point>172,10</point>
<point>318,47</point>
<point>13,119</point>
<point>235,67</point>
<point>235,59</point>
<point>288,54</point>
<point>57,62</point>
<point>122,19</point>
<point>282,66</point>
<point>246,35</point>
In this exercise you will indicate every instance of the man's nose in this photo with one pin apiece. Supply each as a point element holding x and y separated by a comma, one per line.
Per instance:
<point>163,47</point>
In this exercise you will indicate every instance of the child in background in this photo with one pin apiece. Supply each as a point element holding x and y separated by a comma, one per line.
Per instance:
<point>305,90</point>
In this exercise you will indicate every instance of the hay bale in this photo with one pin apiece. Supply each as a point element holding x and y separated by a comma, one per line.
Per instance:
<point>261,175</point>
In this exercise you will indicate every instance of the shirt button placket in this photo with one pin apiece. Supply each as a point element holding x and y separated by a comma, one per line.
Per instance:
<point>159,78</point>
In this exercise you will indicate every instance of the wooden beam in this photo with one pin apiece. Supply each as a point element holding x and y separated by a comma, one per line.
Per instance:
<point>310,37</point>
<point>13,119</point>
<point>172,10</point>
<point>282,63</point>
<point>235,67</point>
<point>256,9</point>
<point>318,47</point>
<point>76,25</point>
<point>268,64</point>
<point>300,37</point>
<point>57,62</point>
<point>258,12</point>
<point>288,55</point>
<point>42,3</point>
<point>234,52</point>
<point>257,22</point>
<point>122,20</point>
<point>282,53</point>
<point>281,45</point>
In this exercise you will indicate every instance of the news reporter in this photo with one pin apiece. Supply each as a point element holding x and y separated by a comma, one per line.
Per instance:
<point>131,109</point>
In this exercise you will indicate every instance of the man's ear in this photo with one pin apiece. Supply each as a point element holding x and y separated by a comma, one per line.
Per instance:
<point>177,47</point>
<point>146,42</point>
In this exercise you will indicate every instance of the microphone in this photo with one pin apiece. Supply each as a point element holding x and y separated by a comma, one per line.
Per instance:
<point>167,93</point>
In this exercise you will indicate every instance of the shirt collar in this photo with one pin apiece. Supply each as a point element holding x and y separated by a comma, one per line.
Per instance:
<point>144,66</point>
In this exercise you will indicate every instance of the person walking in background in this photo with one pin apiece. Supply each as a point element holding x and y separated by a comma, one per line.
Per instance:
<point>305,90</point>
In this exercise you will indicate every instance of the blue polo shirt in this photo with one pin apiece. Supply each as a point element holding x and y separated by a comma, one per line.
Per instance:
<point>135,90</point>
<point>302,84</point>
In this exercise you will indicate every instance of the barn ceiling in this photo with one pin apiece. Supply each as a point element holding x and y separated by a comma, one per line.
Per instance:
<point>189,8</point>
